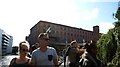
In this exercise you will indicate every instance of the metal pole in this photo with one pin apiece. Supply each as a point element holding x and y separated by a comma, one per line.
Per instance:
<point>64,57</point>
<point>48,30</point>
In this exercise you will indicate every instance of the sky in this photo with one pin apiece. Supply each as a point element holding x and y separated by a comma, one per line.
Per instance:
<point>17,17</point>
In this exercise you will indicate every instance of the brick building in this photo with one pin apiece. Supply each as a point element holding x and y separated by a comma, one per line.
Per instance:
<point>62,34</point>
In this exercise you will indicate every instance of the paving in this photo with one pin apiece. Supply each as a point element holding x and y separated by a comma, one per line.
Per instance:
<point>5,60</point>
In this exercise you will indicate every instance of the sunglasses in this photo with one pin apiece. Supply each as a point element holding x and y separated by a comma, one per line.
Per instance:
<point>25,50</point>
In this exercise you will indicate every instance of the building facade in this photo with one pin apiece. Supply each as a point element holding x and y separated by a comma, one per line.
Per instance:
<point>62,34</point>
<point>5,43</point>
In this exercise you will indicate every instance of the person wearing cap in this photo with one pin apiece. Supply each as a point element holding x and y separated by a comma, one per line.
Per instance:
<point>44,56</point>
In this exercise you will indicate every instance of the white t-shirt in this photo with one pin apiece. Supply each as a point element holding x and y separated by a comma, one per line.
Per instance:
<point>41,58</point>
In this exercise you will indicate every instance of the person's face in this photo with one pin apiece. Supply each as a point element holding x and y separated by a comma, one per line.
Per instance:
<point>44,41</point>
<point>24,50</point>
<point>75,44</point>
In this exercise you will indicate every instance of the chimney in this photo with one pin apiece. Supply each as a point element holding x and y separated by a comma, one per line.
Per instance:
<point>96,29</point>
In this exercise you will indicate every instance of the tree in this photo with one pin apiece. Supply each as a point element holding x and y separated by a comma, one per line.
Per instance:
<point>109,44</point>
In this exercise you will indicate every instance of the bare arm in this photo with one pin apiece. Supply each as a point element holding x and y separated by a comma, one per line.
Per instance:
<point>55,61</point>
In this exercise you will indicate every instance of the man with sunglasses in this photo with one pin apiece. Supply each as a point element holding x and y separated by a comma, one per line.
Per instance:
<point>44,56</point>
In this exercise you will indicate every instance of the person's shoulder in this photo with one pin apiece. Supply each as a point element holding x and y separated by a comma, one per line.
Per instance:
<point>29,59</point>
<point>51,48</point>
<point>36,50</point>
<point>13,60</point>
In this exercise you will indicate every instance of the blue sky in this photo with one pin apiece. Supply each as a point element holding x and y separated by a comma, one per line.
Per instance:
<point>100,13</point>
<point>18,16</point>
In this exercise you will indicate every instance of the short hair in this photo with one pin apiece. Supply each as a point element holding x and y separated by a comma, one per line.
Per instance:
<point>41,35</point>
<point>90,46</point>
<point>74,41</point>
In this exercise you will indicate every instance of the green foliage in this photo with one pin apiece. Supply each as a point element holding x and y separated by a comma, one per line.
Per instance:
<point>109,45</point>
<point>117,15</point>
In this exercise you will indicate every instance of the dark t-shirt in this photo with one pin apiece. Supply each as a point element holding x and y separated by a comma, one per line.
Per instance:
<point>91,61</point>
<point>14,64</point>
<point>72,54</point>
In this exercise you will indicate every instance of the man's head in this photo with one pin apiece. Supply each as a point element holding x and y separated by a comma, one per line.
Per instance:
<point>74,43</point>
<point>43,39</point>
<point>37,45</point>
<point>91,47</point>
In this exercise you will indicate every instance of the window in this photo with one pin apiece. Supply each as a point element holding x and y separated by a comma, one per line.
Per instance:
<point>57,28</point>
<point>64,28</point>
<point>64,33</point>
<point>61,28</point>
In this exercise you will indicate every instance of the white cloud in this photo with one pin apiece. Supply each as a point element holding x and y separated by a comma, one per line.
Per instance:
<point>105,26</point>
<point>90,14</point>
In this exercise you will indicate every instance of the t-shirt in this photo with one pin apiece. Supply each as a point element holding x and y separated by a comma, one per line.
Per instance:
<point>73,55</point>
<point>44,58</point>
